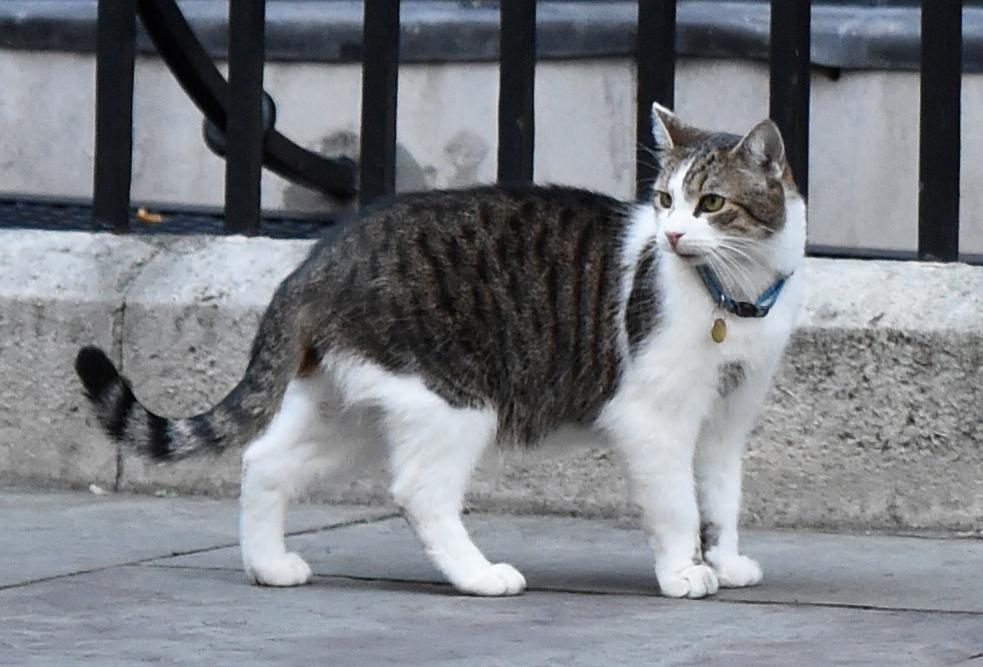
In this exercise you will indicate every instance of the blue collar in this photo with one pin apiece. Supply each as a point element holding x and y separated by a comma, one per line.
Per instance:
<point>759,308</point>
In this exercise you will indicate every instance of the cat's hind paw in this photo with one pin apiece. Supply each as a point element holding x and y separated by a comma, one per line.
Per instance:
<point>287,570</point>
<point>495,580</point>
<point>693,581</point>
<point>735,571</point>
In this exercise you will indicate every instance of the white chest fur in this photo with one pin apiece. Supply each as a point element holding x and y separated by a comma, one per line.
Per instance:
<point>678,368</point>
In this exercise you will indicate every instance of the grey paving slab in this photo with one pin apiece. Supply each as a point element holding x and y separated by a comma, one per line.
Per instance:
<point>51,534</point>
<point>133,615</point>
<point>602,556</point>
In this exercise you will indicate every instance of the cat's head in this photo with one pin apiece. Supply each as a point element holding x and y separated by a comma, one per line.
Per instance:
<point>718,194</point>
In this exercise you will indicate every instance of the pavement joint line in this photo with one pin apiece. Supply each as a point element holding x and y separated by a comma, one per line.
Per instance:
<point>573,591</point>
<point>190,552</point>
<point>345,524</point>
<point>948,536</point>
<point>859,607</point>
<point>67,575</point>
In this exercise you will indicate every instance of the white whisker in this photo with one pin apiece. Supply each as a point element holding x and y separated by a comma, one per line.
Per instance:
<point>742,278</point>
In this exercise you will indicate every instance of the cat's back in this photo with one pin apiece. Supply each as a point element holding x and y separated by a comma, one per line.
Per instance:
<point>442,245</point>
<point>501,297</point>
<point>541,222</point>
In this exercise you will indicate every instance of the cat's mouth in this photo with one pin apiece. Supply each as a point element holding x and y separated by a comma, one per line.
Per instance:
<point>688,252</point>
<point>688,255</point>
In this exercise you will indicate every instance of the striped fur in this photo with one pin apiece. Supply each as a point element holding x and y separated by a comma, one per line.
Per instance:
<point>497,298</point>
<point>503,298</point>
<point>277,352</point>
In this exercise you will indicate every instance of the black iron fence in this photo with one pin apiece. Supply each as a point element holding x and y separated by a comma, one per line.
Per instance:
<point>241,117</point>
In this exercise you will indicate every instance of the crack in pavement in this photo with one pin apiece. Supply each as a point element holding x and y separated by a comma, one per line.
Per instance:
<point>625,594</point>
<point>118,329</point>
<point>189,552</point>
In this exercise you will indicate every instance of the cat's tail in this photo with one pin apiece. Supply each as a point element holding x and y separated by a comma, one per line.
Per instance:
<point>278,355</point>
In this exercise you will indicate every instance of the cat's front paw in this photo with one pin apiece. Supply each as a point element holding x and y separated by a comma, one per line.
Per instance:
<point>495,580</point>
<point>734,571</point>
<point>692,581</point>
<point>287,570</point>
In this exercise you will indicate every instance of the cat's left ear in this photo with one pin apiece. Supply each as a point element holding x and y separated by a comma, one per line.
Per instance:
<point>763,146</point>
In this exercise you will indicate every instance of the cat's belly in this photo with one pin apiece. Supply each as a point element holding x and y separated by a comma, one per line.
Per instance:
<point>567,437</point>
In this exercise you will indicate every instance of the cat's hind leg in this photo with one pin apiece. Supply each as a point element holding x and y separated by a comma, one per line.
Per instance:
<point>434,449</point>
<point>275,467</point>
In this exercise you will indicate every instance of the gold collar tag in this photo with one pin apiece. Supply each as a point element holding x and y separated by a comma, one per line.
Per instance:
<point>718,332</point>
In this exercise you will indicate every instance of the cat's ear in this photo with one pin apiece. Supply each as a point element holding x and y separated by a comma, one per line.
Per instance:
<point>668,131</point>
<point>763,146</point>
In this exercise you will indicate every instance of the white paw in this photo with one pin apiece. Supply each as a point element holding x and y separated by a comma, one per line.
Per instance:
<point>693,581</point>
<point>495,580</point>
<point>287,570</point>
<point>735,571</point>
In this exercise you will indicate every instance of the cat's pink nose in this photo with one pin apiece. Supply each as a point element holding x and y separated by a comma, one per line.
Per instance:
<point>673,238</point>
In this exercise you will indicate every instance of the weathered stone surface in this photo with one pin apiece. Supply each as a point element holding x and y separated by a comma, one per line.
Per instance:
<point>190,319</point>
<point>877,417</point>
<point>58,292</point>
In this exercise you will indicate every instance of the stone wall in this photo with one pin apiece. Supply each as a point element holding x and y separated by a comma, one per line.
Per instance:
<point>876,419</point>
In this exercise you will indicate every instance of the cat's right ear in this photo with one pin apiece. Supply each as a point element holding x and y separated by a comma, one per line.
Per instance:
<point>667,130</point>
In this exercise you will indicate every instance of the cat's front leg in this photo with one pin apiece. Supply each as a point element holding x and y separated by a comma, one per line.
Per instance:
<point>719,453</point>
<point>659,453</point>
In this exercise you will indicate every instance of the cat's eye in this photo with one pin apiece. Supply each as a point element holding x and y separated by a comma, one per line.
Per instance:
<point>711,203</point>
<point>664,198</point>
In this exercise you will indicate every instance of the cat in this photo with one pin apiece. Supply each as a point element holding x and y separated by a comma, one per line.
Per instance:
<point>451,320</point>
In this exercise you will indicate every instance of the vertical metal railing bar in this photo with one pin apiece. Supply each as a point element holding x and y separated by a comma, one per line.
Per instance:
<point>939,147</point>
<point>655,58</point>
<point>380,83</point>
<point>244,119</point>
<point>113,170</point>
<point>789,56</point>
<point>516,91</point>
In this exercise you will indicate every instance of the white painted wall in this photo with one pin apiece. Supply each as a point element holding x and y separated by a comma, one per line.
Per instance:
<point>863,163</point>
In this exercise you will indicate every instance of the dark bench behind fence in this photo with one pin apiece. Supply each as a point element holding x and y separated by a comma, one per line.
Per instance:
<point>248,139</point>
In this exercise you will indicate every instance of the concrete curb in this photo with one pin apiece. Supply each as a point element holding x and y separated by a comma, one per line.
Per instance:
<point>876,419</point>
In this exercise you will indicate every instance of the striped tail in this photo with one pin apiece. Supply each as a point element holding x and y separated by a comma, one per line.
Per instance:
<point>275,359</point>
<point>118,410</point>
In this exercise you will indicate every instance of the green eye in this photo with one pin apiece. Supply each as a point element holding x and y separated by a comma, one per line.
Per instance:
<point>664,198</point>
<point>711,203</point>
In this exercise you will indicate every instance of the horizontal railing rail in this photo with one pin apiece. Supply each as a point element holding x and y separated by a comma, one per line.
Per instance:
<point>243,116</point>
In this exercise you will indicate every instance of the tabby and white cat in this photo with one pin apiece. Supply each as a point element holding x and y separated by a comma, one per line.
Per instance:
<point>458,319</point>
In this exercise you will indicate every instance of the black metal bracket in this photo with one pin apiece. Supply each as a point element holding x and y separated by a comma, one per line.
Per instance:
<point>214,136</point>
<point>201,80</point>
